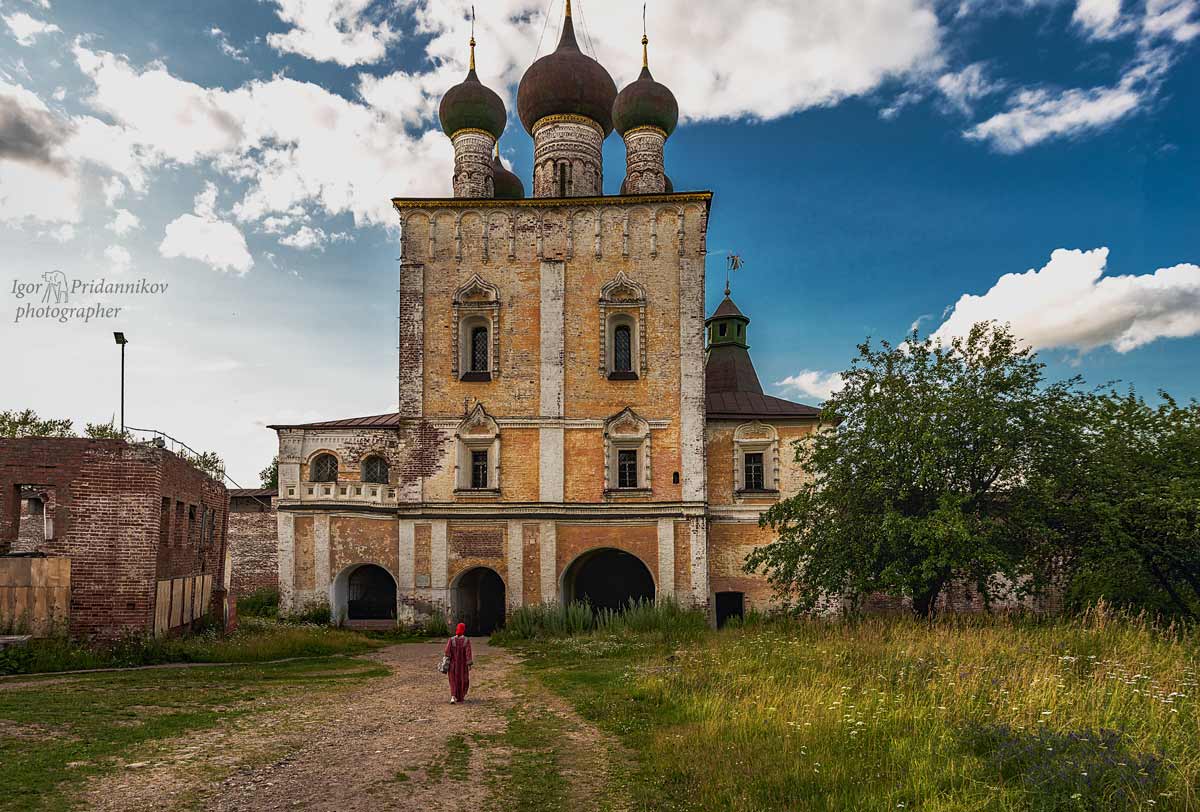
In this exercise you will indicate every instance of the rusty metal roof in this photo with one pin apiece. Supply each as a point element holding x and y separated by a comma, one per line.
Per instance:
<point>253,493</point>
<point>738,405</point>
<point>377,421</point>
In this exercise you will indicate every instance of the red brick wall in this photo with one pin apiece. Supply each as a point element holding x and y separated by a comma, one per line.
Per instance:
<point>254,549</point>
<point>107,518</point>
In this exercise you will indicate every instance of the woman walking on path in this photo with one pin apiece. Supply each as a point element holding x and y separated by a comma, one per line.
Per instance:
<point>458,649</point>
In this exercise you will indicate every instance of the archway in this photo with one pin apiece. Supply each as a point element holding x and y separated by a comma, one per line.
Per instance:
<point>479,601</point>
<point>607,579</point>
<point>363,592</point>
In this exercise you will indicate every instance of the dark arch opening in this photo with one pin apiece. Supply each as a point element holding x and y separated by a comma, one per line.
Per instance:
<point>608,579</point>
<point>730,606</point>
<point>371,594</point>
<point>479,601</point>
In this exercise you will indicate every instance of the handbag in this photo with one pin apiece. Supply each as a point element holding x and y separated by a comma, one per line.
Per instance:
<point>444,665</point>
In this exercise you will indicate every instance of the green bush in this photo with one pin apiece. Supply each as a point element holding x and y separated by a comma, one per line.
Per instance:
<point>260,603</point>
<point>565,620</point>
<point>435,625</point>
<point>316,614</point>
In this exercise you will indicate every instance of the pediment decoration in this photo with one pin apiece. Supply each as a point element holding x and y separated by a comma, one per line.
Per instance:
<point>623,291</point>
<point>756,431</point>
<point>627,424</point>
<point>477,291</point>
<point>478,424</point>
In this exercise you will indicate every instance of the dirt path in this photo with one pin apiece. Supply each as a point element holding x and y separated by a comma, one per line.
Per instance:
<point>393,743</point>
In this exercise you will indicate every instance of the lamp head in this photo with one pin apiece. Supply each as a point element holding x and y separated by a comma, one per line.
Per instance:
<point>120,338</point>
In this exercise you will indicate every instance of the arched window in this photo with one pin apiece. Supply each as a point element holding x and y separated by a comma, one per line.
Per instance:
<point>479,349</point>
<point>622,349</point>
<point>563,169</point>
<point>375,469</point>
<point>324,468</point>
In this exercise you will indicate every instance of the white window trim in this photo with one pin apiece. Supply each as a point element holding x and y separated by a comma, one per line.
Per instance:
<point>748,439</point>
<point>466,442</point>
<point>474,302</point>
<point>618,438</point>
<point>623,301</point>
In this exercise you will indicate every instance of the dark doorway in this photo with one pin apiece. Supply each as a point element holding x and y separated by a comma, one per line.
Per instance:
<point>730,606</point>
<point>479,601</point>
<point>372,594</point>
<point>608,579</point>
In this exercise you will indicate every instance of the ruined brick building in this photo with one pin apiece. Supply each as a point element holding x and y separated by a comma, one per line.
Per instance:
<point>570,424</point>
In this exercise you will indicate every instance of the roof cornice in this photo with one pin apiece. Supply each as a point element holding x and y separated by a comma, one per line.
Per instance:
<point>401,203</point>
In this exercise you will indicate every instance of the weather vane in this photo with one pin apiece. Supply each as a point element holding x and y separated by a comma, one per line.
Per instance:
<point>733,262</point>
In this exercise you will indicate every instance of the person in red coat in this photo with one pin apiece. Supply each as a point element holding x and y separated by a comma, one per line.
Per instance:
<point>458,649</point>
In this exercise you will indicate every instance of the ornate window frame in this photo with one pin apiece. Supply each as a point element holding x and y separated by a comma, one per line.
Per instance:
<point>366,459</point>
<point>622,301</point>
<point>753,438</point>
<point>626,431</point>
<point>475,303</point>
<point>478,431</point>
<point>312,462</point>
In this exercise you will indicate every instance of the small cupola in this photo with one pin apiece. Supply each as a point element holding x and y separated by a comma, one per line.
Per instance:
<point>727,324</point>
<point>645,114</point>
<point>507,185</point>
<point>473,116</point>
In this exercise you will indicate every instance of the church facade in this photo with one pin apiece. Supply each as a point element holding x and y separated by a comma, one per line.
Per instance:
<point>571,426</point>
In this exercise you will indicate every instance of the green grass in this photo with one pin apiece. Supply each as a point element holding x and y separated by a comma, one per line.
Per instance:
<point>256,640</point>
<point>55,735</point>
<point>558,620</point>
<point>259,603</point>
<point>1094,714</point>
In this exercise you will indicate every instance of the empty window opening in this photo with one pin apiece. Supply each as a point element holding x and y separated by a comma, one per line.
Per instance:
<point>323,469</point>
<point>730,606</point>
<point>754,472</point>
<point>375,470</point>
<point>608,579</point>
<point>479,601</point>
<point>479,469</point>
<point>562,179</point>
<point>721,328</point>
<point>627,465</point>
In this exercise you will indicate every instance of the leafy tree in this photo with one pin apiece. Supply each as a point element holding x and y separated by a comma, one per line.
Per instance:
<point>1135,504</point>
<point>26,423</point>
<point>270,474</point>
<point>941,467</point>
<point>207,461</point>
<point>106,431</point>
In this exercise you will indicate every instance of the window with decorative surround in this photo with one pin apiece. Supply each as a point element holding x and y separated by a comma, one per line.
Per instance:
<point>626,454</point>
<point>478,465</point>
<point>756,459</point>
<point>622,329</point>
<point>323,468</point>
<point>476,351</point>
<point>375,469</point>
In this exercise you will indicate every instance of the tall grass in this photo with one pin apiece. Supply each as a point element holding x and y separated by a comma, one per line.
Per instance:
<point>552,620</point>
<point>1097,713</point>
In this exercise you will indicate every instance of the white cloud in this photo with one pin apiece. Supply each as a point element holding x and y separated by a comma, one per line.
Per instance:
<point>26,29</point>
<point>1071,303</point>
<point>123,222</point>
<point>1037,115</point>
<point>204,238</point>
<point>306,238</point>
<point>63,233</point>
<point>227,47</point>
<point>1098,17</point>
<point>812,383</point>
<point>338,31</point>
<point>1176,19</point>
<point>38,180</point>
<point>114,189</point>
<point>963,88</point>
<point>118,258</point>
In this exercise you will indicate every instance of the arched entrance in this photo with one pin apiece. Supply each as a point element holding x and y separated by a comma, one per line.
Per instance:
<point>607,579</point>
<point>363,592</point>
<point>479,601</point>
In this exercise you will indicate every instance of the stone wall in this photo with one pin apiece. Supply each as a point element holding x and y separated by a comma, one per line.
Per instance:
<point>253,546</point>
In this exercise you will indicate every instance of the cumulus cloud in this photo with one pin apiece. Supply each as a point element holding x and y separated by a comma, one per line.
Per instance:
<point>340,31</point>
<point>1071,303</point>
<point>1176,19</point>
<point>1098,18</point>
<point>204,237</point>
<point>38,179</point>
<point>123,222</point>
<point>26,29</point>
<point>812,383</point>
<point>306,238</point>
<point>29,132</point>
<point>119,259</point>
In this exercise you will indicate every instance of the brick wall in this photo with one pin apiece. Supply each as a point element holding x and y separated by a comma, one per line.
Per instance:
<point>116,516</point>
<point>254,550</point>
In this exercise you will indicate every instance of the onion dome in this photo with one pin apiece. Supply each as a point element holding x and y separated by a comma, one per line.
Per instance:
<point>645,103</point>
<point>472,105</point>
<point>567,81</point>
<point>507,186</point>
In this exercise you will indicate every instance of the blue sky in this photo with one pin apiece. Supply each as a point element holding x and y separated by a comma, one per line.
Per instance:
<point>877,163</point>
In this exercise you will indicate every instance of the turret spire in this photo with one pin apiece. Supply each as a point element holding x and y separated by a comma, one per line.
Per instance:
<point>472,38</point>
<point>645,40</point>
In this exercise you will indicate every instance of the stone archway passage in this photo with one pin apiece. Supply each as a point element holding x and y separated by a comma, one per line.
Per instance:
<point>371,594</point>
<point>608,579</point>
<point>730,606</point>
<point>479,601</point>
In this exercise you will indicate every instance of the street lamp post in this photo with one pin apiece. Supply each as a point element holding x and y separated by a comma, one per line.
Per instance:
<point>120,339</point>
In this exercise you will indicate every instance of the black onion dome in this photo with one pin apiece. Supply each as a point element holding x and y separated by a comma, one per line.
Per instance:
<point>505,185</point>
<point>471,104</point>
<point>645,103</point>
<point>567,81</point>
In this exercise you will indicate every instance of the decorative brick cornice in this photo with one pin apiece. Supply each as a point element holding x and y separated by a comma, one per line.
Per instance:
<point>401,203</point>
<point>566,118</point>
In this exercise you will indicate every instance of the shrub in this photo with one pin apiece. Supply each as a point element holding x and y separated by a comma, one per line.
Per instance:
<point>316,613</point>
<point>259,603</point>
<point>435,625</point>
<point>565,620</point>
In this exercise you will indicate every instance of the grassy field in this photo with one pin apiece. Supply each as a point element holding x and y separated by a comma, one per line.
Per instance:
<point>57,732</point>
<point>1095,714</point>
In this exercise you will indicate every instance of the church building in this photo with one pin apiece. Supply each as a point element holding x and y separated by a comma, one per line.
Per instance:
<point>570,425</point>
